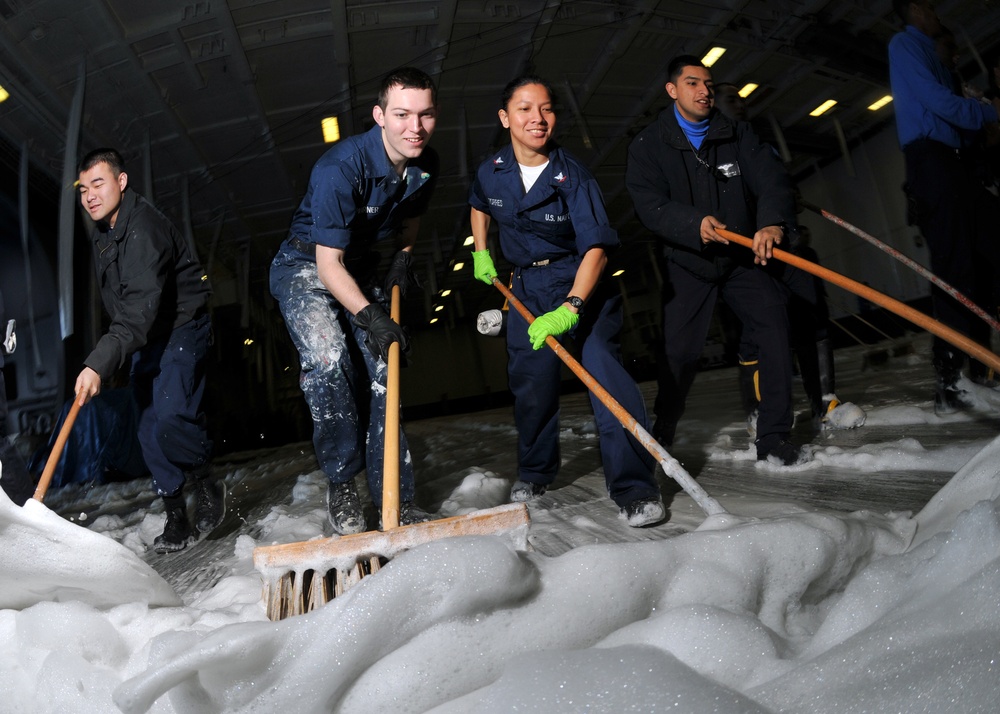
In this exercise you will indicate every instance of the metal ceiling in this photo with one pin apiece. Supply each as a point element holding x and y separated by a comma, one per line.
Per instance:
<point>220,102</point>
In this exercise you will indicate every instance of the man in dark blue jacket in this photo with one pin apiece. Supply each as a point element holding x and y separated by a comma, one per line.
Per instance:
<point>689,173</point>
<point>156,292</point>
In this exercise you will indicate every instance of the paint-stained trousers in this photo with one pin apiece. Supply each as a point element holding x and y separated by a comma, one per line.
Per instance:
<point>534,377</point>
<point>168,376</point>
<point>344,384</point>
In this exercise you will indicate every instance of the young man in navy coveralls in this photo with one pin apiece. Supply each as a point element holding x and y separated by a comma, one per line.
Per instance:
<point>363,190</point>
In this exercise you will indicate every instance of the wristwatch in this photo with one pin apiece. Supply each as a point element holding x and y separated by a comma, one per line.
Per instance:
<point>576,302</point>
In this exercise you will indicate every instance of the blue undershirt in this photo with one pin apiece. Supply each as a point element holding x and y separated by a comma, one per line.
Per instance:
<point>694,131</point>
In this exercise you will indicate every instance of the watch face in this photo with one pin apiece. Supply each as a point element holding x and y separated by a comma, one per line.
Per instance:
<point>575,301</point>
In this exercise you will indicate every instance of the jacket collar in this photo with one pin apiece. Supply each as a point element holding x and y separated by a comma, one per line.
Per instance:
<point>556,174</point>
<point>103,228</point>
<point>378,167</point>
<point>720,128</point>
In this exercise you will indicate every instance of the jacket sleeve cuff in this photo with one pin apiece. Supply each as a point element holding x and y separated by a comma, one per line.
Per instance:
<point>103,362</point>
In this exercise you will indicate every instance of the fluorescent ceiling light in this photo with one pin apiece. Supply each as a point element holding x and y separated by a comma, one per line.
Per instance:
<point>822,108</point>
<point>747,90</point>
<point>445,293</point>
<point>438,308</point>
<point>433,320</point>
<point>4,94</point>
<point>617,273</point>
<point>469,241</point>
<point>713,56</point>
<point>331,129</point>
<point>875,106</point>
<point>458,266</point>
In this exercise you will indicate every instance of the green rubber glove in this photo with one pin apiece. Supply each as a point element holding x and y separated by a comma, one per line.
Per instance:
<point>554,323</point>
<point>482,266</point>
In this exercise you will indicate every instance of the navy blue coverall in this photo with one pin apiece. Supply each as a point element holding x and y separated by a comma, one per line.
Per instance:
<point>545,234</point>
<point>735,178</point>
<point>354,199</point>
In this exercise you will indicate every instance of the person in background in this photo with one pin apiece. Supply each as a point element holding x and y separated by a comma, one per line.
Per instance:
<point>554,229</point>
<point>156,292</point>
<point>946,198</point>
<point>689,173</point>
<point>364,190</point>
<point>808,316</point>
<point>14,477</point>
<point>727,98</point>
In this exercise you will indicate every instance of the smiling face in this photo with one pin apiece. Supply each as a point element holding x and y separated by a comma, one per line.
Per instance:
<point>407,123</point>
<point>101,192</point>
<point>531,119</point>
<point>692,91</point>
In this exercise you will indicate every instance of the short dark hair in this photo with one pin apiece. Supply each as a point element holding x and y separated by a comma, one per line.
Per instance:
<point>677,65</point>
<point>405,78</point>
<point>523,81</point>
<point>111,157</point>
<point>902,8</point>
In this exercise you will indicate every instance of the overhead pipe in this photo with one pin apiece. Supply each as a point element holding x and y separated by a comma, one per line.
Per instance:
<point>779,136</point>
<point>68,202</point>
<point>26,256</point>
<point>844,150</point>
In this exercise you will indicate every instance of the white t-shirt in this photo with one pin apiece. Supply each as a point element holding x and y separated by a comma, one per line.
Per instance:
<point>530,174</point>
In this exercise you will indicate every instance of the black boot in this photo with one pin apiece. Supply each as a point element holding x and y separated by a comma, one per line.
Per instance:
<point>827,377</point>
<point>344,507</point>
<point>948,397</point>
<point>177,531</point>
<point>210,504</point>
<point>410,513</point>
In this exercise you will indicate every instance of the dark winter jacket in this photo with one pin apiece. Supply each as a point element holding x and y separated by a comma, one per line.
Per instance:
<point>741,183</point>
<point>150,279</point>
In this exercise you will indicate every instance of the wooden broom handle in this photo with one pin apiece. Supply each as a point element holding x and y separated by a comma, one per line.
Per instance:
<point>671,467</point>
<point>57,449</point>
<point>954,338</point>
<point>390,460</point>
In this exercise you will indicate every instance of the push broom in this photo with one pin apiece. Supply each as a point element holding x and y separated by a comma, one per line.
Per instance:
<point>671,466</point>
<point>57,448</point>
<point>300,577</point>
<point>952,337</point>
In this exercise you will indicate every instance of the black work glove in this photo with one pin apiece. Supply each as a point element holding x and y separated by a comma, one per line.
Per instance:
<point>400,273</point>
<point>382,331</point>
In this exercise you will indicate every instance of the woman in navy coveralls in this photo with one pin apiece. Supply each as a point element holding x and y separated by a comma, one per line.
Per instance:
<point>554,229</point>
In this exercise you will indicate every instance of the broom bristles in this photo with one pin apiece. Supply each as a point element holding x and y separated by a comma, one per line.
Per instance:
<point>301,577</point>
